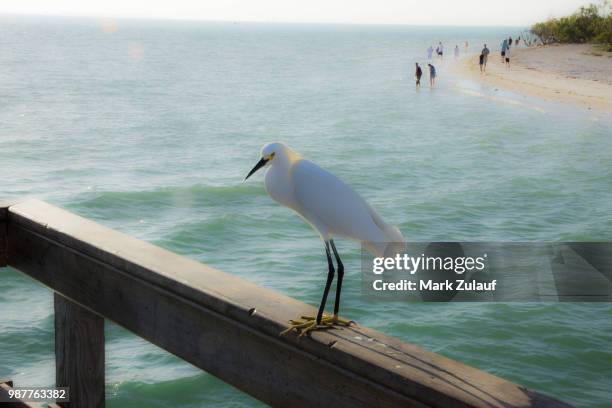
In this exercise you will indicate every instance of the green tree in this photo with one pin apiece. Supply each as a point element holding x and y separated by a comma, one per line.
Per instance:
<point>590,23</point>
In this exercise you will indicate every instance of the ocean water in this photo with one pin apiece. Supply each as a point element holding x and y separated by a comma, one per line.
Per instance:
<point>149,127</point>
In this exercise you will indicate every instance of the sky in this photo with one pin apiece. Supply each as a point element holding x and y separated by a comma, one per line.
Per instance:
<point>421,12</point>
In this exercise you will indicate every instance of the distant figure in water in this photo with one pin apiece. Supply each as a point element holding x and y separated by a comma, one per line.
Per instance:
<point>432,75</point>
<point>417,74</point>
<point>429,52</point>
<point>440,50</point>
<point>456,51</point>
<point>485,57</point>
<point>508,58</point>
<point>481,62</point>
<point>466,46</point>
<point>509,42</point>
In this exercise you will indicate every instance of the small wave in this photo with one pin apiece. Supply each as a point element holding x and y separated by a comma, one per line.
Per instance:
<point>190,391</point>
<point>169,197</point>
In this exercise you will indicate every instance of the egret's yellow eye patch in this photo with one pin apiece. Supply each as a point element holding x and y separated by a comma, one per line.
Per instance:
<point>269,157</point>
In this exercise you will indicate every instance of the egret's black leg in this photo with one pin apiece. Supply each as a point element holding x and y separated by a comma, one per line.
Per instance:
<point>330,278</point>
<point>340,276</point>
<point>306,324</point>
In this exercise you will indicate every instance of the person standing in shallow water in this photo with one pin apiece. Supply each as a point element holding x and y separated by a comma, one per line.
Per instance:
<point>417,74</point>
<point>485,55</point>
<point>432,75</point>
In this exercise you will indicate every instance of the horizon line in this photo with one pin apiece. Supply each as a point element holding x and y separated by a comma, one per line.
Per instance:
<point>187,19</point>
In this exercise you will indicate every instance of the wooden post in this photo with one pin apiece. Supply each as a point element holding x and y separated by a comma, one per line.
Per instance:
<point>79,353</point>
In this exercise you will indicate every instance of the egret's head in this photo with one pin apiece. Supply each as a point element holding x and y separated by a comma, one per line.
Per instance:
<point>269,153</point>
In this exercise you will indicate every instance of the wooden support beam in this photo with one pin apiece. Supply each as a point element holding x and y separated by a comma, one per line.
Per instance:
<point>79,353</point>
<point>229,327</point>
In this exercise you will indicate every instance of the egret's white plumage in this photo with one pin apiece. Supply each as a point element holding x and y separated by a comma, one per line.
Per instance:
<point>326,202</point>
<point>333,209</point>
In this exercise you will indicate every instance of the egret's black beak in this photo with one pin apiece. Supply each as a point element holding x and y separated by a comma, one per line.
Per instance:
<point>258,166</point>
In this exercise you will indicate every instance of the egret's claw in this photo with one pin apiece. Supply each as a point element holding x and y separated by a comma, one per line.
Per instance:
<point>335,319</point>
<point>306,324</point>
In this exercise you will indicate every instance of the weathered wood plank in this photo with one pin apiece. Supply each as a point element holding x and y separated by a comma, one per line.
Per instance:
<point>4,211</point>
<point>206,317</point>
<point>263,366</point>
<point>79,353</point>
<point>4,205</point>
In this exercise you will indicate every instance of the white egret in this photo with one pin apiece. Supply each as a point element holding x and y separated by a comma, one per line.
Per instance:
<point>332,208</point>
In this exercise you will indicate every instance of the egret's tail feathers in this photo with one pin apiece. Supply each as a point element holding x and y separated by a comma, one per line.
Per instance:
<point>385,249</point>
<point>393,240</point>
<point>394,234</point>
<point>394,243</point>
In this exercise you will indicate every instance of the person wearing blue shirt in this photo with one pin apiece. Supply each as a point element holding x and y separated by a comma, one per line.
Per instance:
<point>432,75</point>
<point>504,48</point>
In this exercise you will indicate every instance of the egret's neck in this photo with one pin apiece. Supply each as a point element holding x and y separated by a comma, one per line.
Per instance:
<point>278,178</point>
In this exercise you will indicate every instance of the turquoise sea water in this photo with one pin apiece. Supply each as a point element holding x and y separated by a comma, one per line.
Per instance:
<point>149,127</point>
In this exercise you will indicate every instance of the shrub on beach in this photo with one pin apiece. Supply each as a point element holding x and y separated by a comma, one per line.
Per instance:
<point>604,35</point>
<point>590,23</point>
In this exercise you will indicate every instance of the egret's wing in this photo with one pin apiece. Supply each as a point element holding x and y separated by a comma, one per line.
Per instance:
<point>325,198</point>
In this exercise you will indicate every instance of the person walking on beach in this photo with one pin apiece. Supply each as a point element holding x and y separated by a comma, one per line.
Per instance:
<point>429,52</point>
<point>440,50</point>
<point>504,47</point>
<point>509,42</point>
<point>508,58</point>
<point>456,51</point>
<point>417,75</point>
<point>485,57</point>
<point>432,75</point>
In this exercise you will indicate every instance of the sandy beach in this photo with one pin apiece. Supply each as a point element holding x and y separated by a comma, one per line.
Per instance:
<point>561,73</point>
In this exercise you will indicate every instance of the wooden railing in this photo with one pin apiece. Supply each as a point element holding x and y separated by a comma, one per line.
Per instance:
<point>222,324</point>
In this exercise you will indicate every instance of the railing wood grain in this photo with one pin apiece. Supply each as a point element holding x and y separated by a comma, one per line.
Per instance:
<point>79,353</point>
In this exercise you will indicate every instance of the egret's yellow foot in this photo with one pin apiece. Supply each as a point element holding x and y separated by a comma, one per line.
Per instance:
<point>307,324</point>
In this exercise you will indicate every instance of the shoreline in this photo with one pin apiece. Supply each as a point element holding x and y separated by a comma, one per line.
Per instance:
<point>558,73</point>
